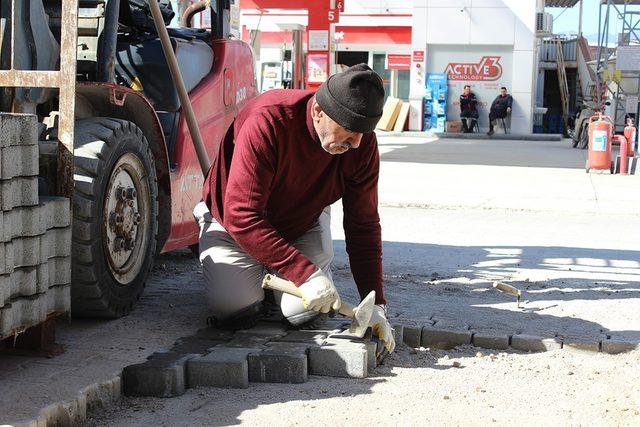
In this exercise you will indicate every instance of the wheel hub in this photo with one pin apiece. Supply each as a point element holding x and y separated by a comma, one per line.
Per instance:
<point>124,211</point>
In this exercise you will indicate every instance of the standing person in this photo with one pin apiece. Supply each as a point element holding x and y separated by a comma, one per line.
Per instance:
<point>289,155</point>
<point>468,109</point>
<point>500,107</point>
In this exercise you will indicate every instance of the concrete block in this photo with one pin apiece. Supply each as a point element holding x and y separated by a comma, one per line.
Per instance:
<point>616,345</point>
<point>56,242</point>
<point>411,336</point>
<point>16,192</point>
<point>57,210</point>
<point>526,342</point>
<point>339,358</point>
<point>24,312</point>
<point>24,221</point>
<point>18,129</point>
<point>581,345</point>
<point>315,337</point>
<point>267,330</point>
<point>297,346</point>
<point>451,324</point>
<point>56,271</point>
<point>444,338</point>
<point>491,340</point>
<point>398,333</point>
<point>278,365</point>
<point>163,375</point>
<point>247,341</point>
<point>22,252</point>
<point>223,367</point>
<point>18,160</point>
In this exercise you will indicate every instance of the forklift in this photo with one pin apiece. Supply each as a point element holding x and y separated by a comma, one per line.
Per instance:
<point>133,174</point>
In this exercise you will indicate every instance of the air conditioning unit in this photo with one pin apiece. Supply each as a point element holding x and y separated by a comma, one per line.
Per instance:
<point>544,23</point>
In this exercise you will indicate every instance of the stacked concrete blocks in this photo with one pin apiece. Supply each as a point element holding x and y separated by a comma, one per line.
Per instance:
<point>35,233</point>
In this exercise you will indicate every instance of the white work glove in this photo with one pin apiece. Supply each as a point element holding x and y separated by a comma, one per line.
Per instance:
<point>381,327</point>
<point>319,293</point>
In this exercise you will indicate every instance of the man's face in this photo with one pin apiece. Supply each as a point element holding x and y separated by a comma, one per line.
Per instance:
<point>467,90</point>
<point>334,138</point>
<point>503,92</point>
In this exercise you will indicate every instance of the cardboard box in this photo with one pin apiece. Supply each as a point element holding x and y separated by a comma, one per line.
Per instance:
<point>389,113</point>
<point>454,126</point>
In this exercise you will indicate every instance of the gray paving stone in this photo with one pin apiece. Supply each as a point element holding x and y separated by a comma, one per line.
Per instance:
<point>444,338</point>
<point>489,340</point>
<point>18,129</point>
<point>450,324</point>
<point>616,345</point>
<point>268,330</point>
<point>193,345</point>
<point>316,337</point>
<point>278,365</point>
<point>56,242</point>
<point>24,221</point>
<point>412,336</point>
<point>215,334</point>
<point>297,346</point>
<point>18,160</point>
<point>339,358</point>
<point>534,343</point>
<point>398,333</point>
<point>56,271</point>
<point>25,312</point>
<point>57,210</point>
<point>247,341</point>
<point>223,367</point>
<point>15,192</point>
<point>581,345</point>
<point>22,252</point>
<point>163,375</point>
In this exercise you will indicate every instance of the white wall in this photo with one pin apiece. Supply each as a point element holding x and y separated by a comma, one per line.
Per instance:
<point>503,24</point>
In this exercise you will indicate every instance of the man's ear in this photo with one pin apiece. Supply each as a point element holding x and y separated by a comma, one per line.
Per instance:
<point>316,111</point>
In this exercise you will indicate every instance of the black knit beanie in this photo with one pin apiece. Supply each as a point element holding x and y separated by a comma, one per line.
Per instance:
<point>353,98</point>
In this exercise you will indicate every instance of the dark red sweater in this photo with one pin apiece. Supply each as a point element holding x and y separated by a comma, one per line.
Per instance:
<point>271,180</point>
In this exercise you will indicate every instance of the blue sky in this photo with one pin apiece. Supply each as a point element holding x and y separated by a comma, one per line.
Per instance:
<point>568,21</point>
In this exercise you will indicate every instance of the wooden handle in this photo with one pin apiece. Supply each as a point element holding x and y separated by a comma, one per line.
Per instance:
<point>277,284</point>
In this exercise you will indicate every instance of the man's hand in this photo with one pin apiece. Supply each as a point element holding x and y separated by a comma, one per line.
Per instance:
<point>382,328</point>
<point>508,109</point>
<point>319,293</point>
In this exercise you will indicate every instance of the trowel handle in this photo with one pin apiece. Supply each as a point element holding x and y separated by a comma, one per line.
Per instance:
<point>277,284</point>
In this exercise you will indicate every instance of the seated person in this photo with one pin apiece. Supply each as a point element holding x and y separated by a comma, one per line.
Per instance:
<point>468,109</point>
<point>500,107</point>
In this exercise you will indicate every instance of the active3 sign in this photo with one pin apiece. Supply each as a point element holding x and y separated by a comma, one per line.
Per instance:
<point>488,69</point>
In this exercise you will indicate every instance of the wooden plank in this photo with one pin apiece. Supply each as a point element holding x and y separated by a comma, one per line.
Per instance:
<point>402,117</point>
<point>389,113</point>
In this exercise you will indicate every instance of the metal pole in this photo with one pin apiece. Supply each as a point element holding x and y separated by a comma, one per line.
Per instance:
<point>580,20</point>
<point>203,158</point>
<point>107,56</point>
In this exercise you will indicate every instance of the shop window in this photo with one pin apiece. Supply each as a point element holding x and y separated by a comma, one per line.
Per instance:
<point>378,63</point>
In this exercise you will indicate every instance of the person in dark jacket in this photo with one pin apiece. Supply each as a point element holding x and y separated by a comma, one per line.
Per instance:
<point>500,108</point>
<point>468,109</point>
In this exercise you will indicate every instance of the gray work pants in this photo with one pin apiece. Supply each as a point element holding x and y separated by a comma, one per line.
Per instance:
<point>233,279</point>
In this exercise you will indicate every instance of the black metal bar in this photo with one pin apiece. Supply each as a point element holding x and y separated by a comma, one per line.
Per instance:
<point>109,39</point>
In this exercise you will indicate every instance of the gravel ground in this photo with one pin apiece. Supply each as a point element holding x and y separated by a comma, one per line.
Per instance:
<point>418,387</point>
<point>456,215</point>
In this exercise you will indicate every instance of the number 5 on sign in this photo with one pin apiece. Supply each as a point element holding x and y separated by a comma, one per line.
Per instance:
<point>333,15</point>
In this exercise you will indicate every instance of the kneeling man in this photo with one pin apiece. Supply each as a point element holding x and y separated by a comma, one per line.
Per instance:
<point>289,155</point>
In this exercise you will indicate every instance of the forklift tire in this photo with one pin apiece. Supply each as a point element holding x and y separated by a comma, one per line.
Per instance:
<point>115,217</point>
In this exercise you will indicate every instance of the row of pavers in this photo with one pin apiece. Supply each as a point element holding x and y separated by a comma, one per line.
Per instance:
<point>270,353</point>
<point>35,233</point>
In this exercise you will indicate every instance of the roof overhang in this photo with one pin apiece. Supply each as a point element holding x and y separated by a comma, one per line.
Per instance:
<point>561,3</point>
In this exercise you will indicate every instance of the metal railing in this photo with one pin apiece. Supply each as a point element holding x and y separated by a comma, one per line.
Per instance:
<point>63,79</point>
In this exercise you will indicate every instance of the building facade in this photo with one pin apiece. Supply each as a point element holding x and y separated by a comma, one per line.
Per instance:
<point>483,43</point>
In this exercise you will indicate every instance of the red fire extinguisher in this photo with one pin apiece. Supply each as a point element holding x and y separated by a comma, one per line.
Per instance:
<point>600,139</point>
<point>630,134</point>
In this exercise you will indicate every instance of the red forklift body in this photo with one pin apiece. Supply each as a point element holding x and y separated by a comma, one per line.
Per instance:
<point>216,102</point>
